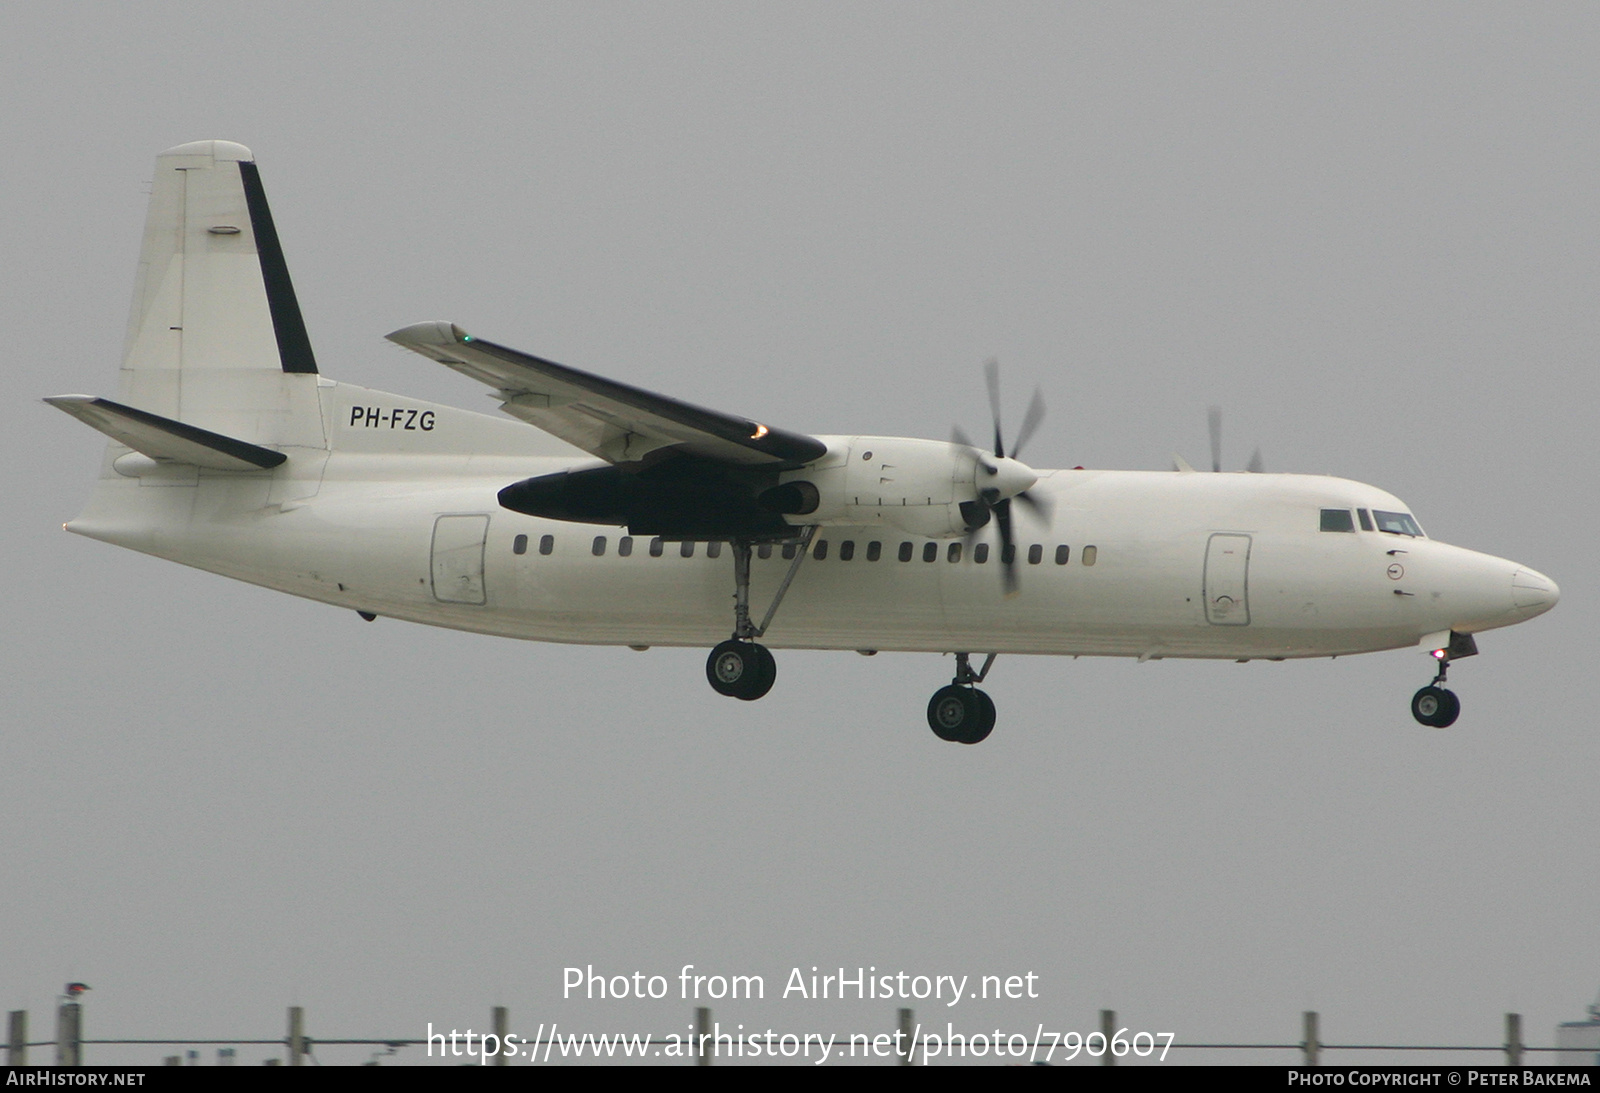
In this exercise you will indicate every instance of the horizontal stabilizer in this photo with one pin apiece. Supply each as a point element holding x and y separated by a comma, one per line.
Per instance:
<point>165,440</point>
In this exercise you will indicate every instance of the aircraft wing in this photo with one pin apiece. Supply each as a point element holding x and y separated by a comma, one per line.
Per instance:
<point>618,423</point>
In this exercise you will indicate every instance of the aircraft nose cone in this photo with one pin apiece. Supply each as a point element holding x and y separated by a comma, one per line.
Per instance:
<point>1532,592</point>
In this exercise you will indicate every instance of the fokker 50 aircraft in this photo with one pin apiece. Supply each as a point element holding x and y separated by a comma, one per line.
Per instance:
<point>606,514</point>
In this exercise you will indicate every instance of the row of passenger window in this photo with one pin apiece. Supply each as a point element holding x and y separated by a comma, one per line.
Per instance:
<point>953,552</point>
<point>1395,523</point>
<point>822,548</point>
<point>547,543</point>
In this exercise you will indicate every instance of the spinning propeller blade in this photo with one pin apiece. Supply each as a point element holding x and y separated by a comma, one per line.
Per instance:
<point>1214,420</point>
<point>989,501</point>
<point>1214,423</point>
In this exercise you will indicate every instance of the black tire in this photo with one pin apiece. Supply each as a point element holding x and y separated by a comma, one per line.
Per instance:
<point>1448,712</point>
<point>763,674</point>
<point>741,669</point>
<point>983,721</point>
<point>951,712</point>
<point>728,664</point>
<point>1435,707</point>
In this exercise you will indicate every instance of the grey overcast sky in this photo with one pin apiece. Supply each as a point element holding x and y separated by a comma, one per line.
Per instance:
<point>1368,231</point>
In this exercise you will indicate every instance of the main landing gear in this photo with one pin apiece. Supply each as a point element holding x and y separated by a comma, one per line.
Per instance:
<point>741,667</point>
<point>960,713</point>
<point>1433,705</point>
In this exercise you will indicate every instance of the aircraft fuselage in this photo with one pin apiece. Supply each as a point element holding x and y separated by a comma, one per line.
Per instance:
<point>1145,564</point>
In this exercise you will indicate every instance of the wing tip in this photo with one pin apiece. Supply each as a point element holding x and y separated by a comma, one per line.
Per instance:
<point>433,332</point>
<point>431,339</point>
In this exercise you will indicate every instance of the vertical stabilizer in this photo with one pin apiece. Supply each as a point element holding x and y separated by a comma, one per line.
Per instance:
<point>215,337</point>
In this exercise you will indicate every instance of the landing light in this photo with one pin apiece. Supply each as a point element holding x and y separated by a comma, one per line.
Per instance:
<point>761,431</point>
<point>1438,654</point>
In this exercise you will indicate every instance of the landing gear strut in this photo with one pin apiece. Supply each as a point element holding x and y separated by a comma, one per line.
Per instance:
<point>960,713</point>
<point>1433,705</point>
<point>741,667</point>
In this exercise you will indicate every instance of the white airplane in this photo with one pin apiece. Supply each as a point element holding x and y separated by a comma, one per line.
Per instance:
<point>621,517</point>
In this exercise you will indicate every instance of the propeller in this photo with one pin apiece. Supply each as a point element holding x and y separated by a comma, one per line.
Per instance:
<point>1005,478</point>
<point>1214,422</point>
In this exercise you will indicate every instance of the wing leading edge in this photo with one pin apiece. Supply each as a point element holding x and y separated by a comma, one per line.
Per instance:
<point>617,422</point>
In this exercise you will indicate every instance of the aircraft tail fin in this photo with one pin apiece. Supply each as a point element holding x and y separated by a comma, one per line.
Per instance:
<point>215,337</point>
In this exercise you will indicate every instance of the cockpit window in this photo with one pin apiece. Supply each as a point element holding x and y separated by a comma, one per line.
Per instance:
<point>1337,520</point>
<point>1366,519</point>
<point>1397,523</point>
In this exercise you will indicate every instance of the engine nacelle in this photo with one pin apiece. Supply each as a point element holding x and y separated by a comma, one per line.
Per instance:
<point>918,486</point>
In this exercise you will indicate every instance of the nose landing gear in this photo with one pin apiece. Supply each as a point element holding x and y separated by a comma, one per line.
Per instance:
<point>960,713</point>
<point>1433,705</point>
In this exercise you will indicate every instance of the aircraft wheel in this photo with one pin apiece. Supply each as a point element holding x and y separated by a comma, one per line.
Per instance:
<point>949,710</point>
<point>741,669</point>
<point>1435,707</point>
<point>765,676</point>
<point>961,715</point>
<point>1449,711</point>
<point>984,725</point>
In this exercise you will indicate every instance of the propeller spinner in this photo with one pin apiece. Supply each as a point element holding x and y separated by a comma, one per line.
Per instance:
<point>1000,478</point>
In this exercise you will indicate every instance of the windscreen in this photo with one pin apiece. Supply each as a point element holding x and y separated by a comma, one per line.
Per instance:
<point>1397,523</point>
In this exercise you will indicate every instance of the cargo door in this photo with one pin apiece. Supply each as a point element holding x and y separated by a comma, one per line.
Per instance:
<point>1227,580</point>
<point>458,558</point>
